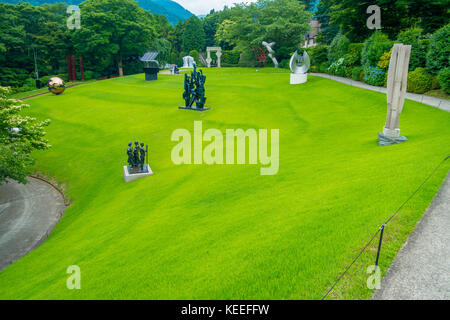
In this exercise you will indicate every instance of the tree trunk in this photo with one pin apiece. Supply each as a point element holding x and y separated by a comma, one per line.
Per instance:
<point>120,67</point>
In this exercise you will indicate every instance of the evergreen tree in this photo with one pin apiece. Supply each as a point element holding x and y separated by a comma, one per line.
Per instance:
<point>193,35</point>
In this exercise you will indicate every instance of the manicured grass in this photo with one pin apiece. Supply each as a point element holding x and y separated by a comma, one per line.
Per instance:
<point>225,231</point>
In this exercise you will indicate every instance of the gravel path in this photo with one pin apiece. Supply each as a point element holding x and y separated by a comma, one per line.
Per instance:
<point>28,213</point>
<point>421,270</point>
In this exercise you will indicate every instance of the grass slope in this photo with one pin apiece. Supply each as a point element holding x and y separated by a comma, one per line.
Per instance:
<point>225,231</point>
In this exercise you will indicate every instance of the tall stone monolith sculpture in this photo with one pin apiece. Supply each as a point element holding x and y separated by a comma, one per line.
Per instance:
<point>397,83</point>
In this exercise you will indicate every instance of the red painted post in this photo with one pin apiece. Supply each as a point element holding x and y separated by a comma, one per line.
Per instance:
<point>81,69</point>
<point>74,70</point>
<point>69,68</point>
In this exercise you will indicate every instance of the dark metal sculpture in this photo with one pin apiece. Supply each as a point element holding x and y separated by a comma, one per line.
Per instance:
<point>194,91</point>
<point>137,157</point>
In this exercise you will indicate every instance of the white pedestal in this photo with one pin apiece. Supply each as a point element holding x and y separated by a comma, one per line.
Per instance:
<point>297,78</point>
<point>391,133</point>
<point>131,177</point>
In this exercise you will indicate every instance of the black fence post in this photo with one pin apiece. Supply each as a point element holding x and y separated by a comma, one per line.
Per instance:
<point>379,245</point>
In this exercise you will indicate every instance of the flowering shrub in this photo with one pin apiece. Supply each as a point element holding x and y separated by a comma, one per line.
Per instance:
<point>385,59</point>
<point>374,76</point>
<point>337,67</point>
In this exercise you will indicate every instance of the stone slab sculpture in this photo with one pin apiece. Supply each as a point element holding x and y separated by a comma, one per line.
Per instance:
<point>138,166</point>
<point>397,83</point>
<point>188,62</point>
<point>218,51</point>
<point>299,66</point>
<point>269,47</point>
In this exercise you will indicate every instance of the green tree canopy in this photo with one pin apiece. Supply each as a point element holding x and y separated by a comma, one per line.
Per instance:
<point>193,35</point>
<point>113,30</point>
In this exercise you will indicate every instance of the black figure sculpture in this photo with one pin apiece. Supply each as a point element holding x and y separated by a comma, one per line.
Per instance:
<point>194,91</point>
<point>137,158</point>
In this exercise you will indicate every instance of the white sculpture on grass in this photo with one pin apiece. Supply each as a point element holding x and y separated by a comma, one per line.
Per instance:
<point>218,55</point>
<point>188,62</point>
<point>299,66</point>
<point>271,52</point>
<point>397,83</point>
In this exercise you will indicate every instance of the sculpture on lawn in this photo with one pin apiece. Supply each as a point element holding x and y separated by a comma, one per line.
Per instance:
<point>56,85</point>
<point>271,52</point>
<point>137,157</point>
<point>188,62</point>
<point>299,66</point>
<point>194,91</point>
<point>397,83</point>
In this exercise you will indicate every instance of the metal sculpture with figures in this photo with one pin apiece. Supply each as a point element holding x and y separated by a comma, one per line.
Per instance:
<point>194,91</point>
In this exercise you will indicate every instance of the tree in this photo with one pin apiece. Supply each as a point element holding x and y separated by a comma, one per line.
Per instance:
<point>282,21</point>
<point>113,30</point>
<point>193,35</point>
<point>19,136</point>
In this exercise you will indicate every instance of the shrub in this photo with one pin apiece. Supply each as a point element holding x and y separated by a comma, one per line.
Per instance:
<point>284,64</point>
<point>194,54</point>
<point>384,60</point>
<point>338,48</point>
<point>438,56</point>
<point>318,54</point>
<point>419,46</point>
<point>374,47</point>
<point>230,57</point>
<point>337,68</point>
<point>435,83</point>
<point>374,76</point>
<point>353,57</point>
<point>248,59</point>
<point>356,73</point>
<point>419,81</point>
<point>323,67</point>
<point>444,79</point>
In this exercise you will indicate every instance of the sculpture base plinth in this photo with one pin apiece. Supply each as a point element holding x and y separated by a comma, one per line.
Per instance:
<point>128,176</point>
<point>384,140</point>
<point>193,108</point>
<point>298,78</point>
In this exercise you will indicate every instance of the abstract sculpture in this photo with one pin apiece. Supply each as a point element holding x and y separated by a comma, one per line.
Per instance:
<point>299,66</point>
<point>218,55</point>
<point>194,91</point>
<point>188,62</point>
<point>56,85</point>
<point>397,82</point>
<point>271,52</point>
<point>137,162</point>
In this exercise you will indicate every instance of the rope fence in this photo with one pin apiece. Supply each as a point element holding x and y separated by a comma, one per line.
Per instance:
<point>381,231</point>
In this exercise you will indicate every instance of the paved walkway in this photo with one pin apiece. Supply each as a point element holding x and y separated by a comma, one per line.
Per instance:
<point>28,213</point>
<point>439,103</point>
<point>421,270</point>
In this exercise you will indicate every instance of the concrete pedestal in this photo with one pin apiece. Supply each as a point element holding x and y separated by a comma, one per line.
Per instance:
<point>297,78</point>
<point>135,176</point>
<point>195,109</point>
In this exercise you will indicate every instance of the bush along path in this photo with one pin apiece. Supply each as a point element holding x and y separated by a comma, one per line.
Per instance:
<point>439,103</point>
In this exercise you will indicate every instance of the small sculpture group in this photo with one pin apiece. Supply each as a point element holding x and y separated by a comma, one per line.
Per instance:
<point>137,157</point>
<point>194,90</point>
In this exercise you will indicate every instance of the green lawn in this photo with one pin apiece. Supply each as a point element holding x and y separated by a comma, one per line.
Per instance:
<point>225,231</point>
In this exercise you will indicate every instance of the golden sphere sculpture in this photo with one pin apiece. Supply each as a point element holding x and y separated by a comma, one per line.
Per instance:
<point>56,85</point>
